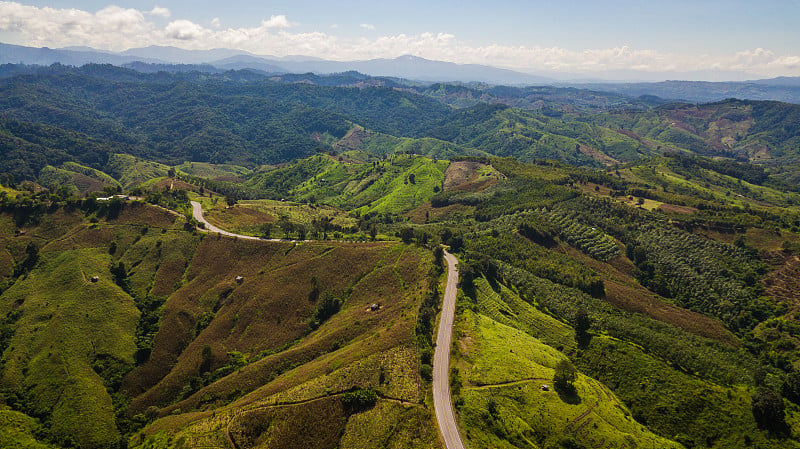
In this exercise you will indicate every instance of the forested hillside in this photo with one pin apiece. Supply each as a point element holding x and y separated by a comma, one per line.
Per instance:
<point>629,267</point>
<point>83,115</point>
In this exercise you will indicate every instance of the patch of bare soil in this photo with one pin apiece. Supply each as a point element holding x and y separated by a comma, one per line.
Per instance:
<point>666,207</point>
<point>465,175</point>
<point>598,156</point>
<point>352,140</point>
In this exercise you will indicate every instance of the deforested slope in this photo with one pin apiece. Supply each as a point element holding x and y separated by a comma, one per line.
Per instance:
<point>119,315</point>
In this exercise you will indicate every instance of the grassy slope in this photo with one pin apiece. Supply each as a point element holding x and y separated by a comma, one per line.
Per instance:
<point>506,351</point>
<point>265,318</point>
<point>693,411</point>
<point>17,431</point>
<point>713,186</point>
<point>73,338</point>
<point>68,323</point>
<point>380,186</point>
<point>214,171</point>
<point>131,171</point>
<point>355,347</point>
<point>525,415</point>
<point>77,178</point>
<point>247,215</point>
<point>375,144</point>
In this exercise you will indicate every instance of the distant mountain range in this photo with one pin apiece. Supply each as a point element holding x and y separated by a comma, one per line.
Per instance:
<point>409,67</point>
<point>172,59</point>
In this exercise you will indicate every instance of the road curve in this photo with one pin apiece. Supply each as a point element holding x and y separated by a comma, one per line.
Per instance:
<point>442,401</point>
<point>197,212</point>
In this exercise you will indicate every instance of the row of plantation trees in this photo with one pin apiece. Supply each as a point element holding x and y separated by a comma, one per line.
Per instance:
<point>519,251</point>
<point>711,277</point>
<point>709,358</point>
<point>686,352</point>
<point>588,239</point>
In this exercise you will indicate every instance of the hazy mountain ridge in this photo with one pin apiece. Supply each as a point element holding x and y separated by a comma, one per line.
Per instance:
<point>412,68</point>
<point>778,89</point>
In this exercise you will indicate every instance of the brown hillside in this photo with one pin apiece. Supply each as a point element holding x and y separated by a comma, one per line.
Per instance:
<point>465,175</point>
<point>270,310</point>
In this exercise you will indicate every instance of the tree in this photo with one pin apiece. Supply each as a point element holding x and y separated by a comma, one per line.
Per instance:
<point>491,407</point>
<point>359,398</point>
<point>791,387</point>
<point>266,230</point>
<point>407,235</point>
<point>768,410</point>
<point>121,276</point>
<point>565,376</point>
<point>31,257</point>
<point>373,232</point>
<point>206,359</point>
<point>582,324</point>
<point>329,306</point>
<point>286,226</point>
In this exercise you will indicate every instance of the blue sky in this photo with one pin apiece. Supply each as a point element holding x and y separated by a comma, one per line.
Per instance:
<point>761,38</point>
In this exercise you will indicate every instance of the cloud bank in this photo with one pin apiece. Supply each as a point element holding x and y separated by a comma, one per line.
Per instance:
<point>115,28</point>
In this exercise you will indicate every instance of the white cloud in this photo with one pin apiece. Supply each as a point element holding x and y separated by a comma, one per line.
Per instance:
<point>277,22</point>
<point>184,30</point>
<point>367,26</point>
<point>159,11</point>
<point>115,28</point>
<point>110,28</point>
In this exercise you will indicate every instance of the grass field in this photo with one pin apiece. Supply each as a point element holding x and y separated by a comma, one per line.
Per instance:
<point>313,414</point>
<point>216,172</point>
<point>502,402</point>
<point>131,171</point>
<point>213,344</point>
<point>394,185</point>
<point>247,216</point>
<point>76,178</point>
<point>69,329</point>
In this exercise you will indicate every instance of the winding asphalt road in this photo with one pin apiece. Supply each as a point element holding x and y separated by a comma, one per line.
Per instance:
<point>442,401</point>
<point>197,212</point>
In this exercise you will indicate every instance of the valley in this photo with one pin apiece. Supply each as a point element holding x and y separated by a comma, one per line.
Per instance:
<point>229,261</point>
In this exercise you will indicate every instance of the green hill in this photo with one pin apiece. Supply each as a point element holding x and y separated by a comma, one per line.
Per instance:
<point>629,275</point>
<point>394,185</point>
<point>503,131</point>
<point>103,324</point>
<point>758,131</point>
<point>76,178</point>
